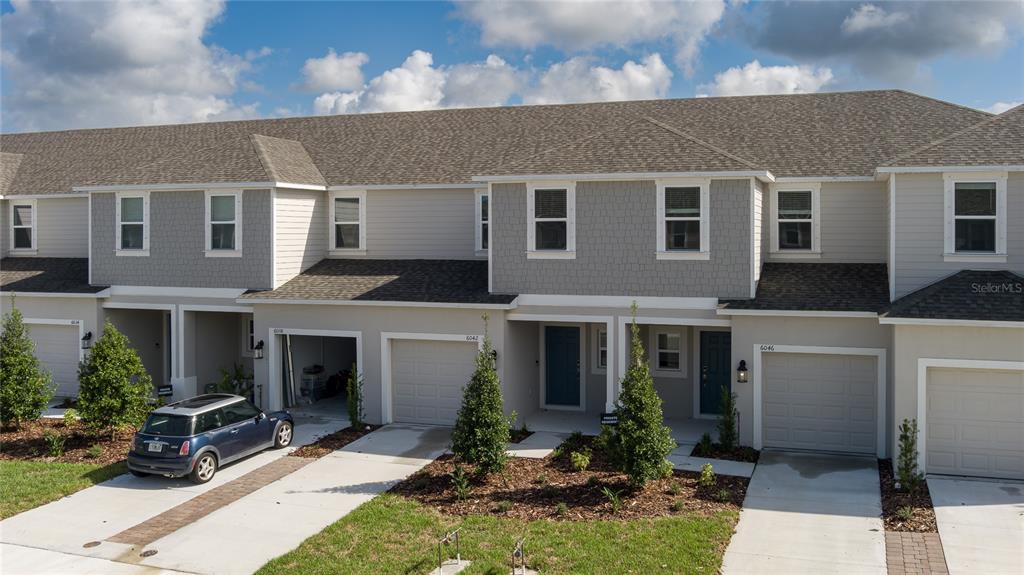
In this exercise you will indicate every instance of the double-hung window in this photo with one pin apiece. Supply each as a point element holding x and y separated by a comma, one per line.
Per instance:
<point>600,348</point>
<point>132,225</point>
<point>551,229</point>
<point>668,352</point>
<point>348,222</point>
<point>483,221</point>
<point>683,228</point>
<point>224,224</point>
<point>796,222</point>
<point>23,225</point>
<point>975,216</point>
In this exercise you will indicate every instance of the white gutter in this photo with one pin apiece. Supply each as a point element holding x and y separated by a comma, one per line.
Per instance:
<point>760,174</point>
<point>376,303</point>
<point>795,313</point>
<point>931,169</point>
<point>349,188</point>
<point>950,322</point>
<point>195,186</point>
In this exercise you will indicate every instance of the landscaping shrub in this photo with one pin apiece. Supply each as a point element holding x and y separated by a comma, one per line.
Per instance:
<point>25,387</point>
<point>907,475</point>
<point>723,495</point>
<point>675,488</point>
<point>460,481</point>
<point>905,513</point>
<point>614,498</point>
<point>355,398</point>
<point>561,509</point>
<point>607,442</point>
<point>114,388</point>
<point>707,476</point>
<point>580,460</point>
<point>705,443</point>
<point>70,417</point>
<point>54,443</point>
<point>728,436</point>
<point>643,438</point>
<point>481,432</point>
<point>504,506</point>
<point>678,506</point>
<point>94,451</point>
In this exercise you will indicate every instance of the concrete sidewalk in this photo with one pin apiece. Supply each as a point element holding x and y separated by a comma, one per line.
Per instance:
<point>981,524</point>
<point>809,513</point>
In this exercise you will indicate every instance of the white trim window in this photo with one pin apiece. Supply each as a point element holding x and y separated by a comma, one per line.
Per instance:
<point>348,222</point>
<point>669,355</point>
<point>551,220</point>
<point>223,224</point>
<point>132,235</point>
<point>482,209</point>
<point>975,223</point>
<point>23,226</point>
<point>683,230</point>
<point>599,336</point>
<point>248,333</point>
<point>796,221</point>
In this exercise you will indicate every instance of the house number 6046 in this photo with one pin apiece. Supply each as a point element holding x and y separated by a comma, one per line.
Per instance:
<point>767,348</point>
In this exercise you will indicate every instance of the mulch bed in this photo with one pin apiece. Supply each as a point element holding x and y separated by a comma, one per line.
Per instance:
<point>517,435</point>
<point>922,517</point>
<point>332,442</point>
<point>550,488</point>
<point>741,453</point>
<point>29,443</point>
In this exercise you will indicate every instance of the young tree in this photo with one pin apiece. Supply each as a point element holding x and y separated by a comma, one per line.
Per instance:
<point>728,437</point>
<point>354,387</point>
<point>907,474</point>
<point>114,388</point>
<point>644,439</point>
<point>481,431</point>
<point>25,387</point>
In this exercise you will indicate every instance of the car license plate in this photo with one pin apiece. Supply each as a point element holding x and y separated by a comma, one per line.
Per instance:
<point>155,447</point>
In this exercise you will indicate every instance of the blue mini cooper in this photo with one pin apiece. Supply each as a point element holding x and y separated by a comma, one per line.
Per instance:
<point>196,436</point>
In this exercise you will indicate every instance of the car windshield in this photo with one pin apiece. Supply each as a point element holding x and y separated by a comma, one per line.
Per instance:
<point>170,425</point>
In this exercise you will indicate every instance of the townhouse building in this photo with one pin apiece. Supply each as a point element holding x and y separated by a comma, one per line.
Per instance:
<point>839,262</point>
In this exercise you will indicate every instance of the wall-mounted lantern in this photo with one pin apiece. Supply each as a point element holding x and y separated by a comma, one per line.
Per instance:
<point>87,340</point>
<point>494,354</point>
<point>741,372</point>
<point>257,350</point>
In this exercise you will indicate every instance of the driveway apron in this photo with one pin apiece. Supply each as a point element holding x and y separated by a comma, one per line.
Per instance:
<point>981,524</point>
<point>810,513</point>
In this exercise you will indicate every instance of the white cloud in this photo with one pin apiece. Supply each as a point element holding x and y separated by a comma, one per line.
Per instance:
<point>73,64</point>
<point>1000,107</point>
<point>491,83</point>
<point>334,71</point>
<point>583,25</point>
<point>870,17</point>
<point>575,80</point>
<point>753,78</point>
<point>415,85</point>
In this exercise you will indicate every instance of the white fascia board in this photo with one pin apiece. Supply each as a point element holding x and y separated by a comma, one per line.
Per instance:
<point>220,293</point>
<point>936,169</point>
<point>476,186</point>
<point>760,174</point>
<point>193,186</point>
<point>29,294</point>
<point>373,303</point>
<point>804,179</point>
<point>796,313</point>
<point>950,322</point>
<point>43,196</point>
<point>643,302</point>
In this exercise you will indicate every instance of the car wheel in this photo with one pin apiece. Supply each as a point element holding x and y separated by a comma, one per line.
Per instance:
<point>283,435</point>
<point>204,469</point>
<point>138,473</point>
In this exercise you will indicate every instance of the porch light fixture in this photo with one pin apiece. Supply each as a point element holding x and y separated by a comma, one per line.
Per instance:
<point>741,372</point>
<point>257,350</point>
<point>494,354</point>
<point>87,340</point>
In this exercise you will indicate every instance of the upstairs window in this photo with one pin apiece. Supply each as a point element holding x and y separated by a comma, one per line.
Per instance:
<point>132,224</point>
<point>483,220</point>
<point>975,217</point>
<point>23,225</point>
<point>552,221</point>
<point>682,227</point>
<point>348,217</point>
<point>796,225</point>
<point>223,224</point>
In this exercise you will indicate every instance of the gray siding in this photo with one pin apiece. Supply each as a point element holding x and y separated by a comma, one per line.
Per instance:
<point>615,245</point>
<point>300,231</point>
<point>5,226</point>
<point>920,231</point>
<point>176,245</point>
<point>758,228</point>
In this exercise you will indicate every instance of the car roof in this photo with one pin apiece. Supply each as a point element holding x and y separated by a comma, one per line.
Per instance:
<point>199,404</point>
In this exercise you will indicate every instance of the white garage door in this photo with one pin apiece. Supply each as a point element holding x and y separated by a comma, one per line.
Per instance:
<point>57,348</point>
<point>975,423</point>
<point>820,402</point>
<point>427,378</point>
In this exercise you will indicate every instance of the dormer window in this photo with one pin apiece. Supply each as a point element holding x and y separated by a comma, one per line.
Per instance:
<point>796,221</point>
<point>551,229</point>
<point>975,217</point>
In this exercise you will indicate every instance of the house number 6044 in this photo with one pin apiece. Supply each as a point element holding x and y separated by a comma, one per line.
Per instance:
<point>767,348</point>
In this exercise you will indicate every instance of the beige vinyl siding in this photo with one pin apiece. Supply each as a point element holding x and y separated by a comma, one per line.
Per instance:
<point>920,232</point>
<point>5,226</point>
<point>63,228</point>
<point>300,231</point>
<point>419,224</point>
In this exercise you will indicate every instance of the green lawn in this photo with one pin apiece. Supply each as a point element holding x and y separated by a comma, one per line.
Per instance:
<point>28,484</point>
<point>392,534</point>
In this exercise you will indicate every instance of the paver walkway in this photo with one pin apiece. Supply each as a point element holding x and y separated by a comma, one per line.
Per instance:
<point>810,513</point>
<point>914,554</point>
<point>981,524</point>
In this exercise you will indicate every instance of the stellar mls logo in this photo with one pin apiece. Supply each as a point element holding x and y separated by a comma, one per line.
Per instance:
<point>998,288</point>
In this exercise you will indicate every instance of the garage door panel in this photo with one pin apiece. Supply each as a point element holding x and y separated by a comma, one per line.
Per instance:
<point>428,378</point>
<point>820,402</point>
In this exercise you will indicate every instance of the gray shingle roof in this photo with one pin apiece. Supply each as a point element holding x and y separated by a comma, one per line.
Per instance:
<point>819,287</point>
<point>8,169</point>
<point>437,281</point>
<point>286,161</point>
<point>54,275</point>
<point>998,140</point>
<point>831,134</point>
<point>967,295</point>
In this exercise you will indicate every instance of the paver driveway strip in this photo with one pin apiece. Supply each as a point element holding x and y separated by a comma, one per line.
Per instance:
<point>809,513</point>
<point>981,524</point>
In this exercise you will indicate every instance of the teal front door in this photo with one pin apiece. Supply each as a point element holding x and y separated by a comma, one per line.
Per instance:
<point>561,366</point>
<point>715,369</point>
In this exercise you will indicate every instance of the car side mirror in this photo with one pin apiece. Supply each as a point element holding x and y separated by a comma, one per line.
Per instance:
<point>261,416</point>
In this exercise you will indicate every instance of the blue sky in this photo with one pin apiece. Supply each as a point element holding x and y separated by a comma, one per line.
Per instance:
<point>68,65</point>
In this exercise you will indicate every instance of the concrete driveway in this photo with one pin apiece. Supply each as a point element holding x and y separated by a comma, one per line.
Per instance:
<point>809,513</point>
<point>73,535</point>
<point>981,524</point>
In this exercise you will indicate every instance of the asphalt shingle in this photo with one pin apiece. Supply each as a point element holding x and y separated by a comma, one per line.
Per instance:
<point>996,141</point>
<point>967,295</point>
<point>819,287</point>
<point>52,275</point>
